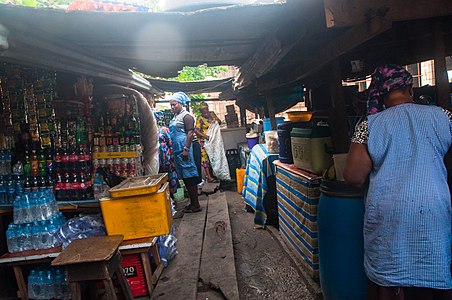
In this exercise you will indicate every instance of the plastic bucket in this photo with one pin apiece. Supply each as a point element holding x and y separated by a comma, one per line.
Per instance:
<point>339,165</point>
<point>252,142</point>
<point>268,125</point>
<point>240,177</point>
<point>340,218</point>
<point>285,144</point>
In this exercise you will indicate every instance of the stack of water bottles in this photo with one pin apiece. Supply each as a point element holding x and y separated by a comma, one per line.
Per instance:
<point>48,283</point>
<point>36,220</point>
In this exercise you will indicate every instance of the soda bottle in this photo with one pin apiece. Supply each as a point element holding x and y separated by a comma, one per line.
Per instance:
<point>57,160</point>
<point>49,183</point>
<point>67,187</point>
<point>42,164</point>
<point>83,187</point>
<point>42,183</point>
<point>34,163</point>
<point>49,162</point>
<point>27,164</point>
<point>75,186</point>
<point>81,158</point>
<point>34,184</point>
<point>65,160</point>
<point>73,159</point>
<point>27,185</point>
<point>59,187</point>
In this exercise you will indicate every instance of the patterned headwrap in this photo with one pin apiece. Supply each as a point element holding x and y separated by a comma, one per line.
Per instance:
<point>386,78</point>
<point>159,117</point>
<point>203,105</point>
<point>180,97</point>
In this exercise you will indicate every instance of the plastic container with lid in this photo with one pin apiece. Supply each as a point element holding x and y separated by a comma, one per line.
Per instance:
<point>271,141</point>
<point>311,148</point>
<point>285,143</point>
<point>268,125</point>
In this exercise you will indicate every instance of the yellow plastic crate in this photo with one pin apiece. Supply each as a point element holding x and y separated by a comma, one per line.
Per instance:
<point>136,186</point>
<point>138,216</point>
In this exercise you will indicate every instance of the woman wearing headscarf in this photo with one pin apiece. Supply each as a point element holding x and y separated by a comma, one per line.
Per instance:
<point>399,151</point>
<point>182,130</point>
<point>203,123</point>
<point>166,152</point>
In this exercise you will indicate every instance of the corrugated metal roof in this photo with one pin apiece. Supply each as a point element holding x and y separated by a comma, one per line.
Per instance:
<point>152,43</point>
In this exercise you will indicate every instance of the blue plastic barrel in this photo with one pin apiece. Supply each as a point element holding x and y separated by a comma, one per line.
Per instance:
<point>268,125</point>
<point>341,252</point>
<point>285,142</point>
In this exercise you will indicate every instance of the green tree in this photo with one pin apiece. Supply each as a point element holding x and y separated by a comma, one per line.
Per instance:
<point>196,74</point>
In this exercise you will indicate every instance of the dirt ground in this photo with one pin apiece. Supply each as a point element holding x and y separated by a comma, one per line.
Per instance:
<point>264,271</point>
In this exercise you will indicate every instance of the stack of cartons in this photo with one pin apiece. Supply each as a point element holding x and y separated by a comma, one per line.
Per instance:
<point>232,120</point>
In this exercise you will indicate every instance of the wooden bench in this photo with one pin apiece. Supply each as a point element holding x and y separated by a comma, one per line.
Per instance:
<point>34,257</point>
<point>91,259</point>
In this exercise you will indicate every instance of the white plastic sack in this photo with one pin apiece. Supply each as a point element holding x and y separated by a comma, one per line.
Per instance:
<point>215,150</point>
<point>149,137</point>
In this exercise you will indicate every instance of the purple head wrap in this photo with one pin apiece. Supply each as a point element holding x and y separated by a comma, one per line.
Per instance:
<point>386,78</point>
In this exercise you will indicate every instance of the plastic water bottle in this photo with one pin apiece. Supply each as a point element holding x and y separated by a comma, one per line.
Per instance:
<point>11,239</point>
<point>17,211</point>
<point>7,162</point>
<point>48,285</point>
<point>34,288</point>
<point>40,287</point>
<point>10,190</point>
<point>32,211</point>
<point>52,230</point>
<point>27,241</point>
<point>2,190</point>
<point>62,289</point>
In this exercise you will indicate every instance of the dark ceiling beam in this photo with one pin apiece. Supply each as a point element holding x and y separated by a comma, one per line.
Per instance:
<point>345,13</point>
<point>344,43</point>
<point>263,60</point>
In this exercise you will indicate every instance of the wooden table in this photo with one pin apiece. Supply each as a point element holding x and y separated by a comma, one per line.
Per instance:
<point>141,246</point>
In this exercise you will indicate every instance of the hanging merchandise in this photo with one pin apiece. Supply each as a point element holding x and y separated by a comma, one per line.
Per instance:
<point>215,150</point>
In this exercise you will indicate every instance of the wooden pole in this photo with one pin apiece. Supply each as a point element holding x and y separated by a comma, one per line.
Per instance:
<point>271,110</point>
<point>338,119</point>
<point>242,116</point>
<point>441,78</point>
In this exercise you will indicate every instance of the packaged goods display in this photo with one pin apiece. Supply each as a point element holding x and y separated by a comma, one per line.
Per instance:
<point>48,283</point>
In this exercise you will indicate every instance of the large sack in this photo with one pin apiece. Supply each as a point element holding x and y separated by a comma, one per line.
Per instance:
<point>215,150</point>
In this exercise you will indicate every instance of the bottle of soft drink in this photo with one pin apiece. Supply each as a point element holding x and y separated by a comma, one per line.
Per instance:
<point>75,186</point>
<point>42,164</point>
<point>10,190</point>
<point>34,162</point>
<point>73,159</point>
<point>27,164</point>
<point>67,187</point>
<point>59,188</point>
<point>49,161</point>
<point>57,163</point>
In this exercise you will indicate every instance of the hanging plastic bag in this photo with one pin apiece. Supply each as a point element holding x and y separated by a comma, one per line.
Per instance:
<point>215,150</point>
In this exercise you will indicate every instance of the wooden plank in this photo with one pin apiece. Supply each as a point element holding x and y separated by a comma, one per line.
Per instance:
<point>271,110</point>
<point>339,132</point>
<point>441,78</point>
<point>87,250</point>
<point>344,43</point>
<point>23,289</point>
<point>180,279</point>
<point>342,13</point>
<point>217,263</point>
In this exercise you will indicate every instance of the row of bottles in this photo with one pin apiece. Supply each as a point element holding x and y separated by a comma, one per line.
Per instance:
<point>37,205</point>
<point>75,185</point>
<point>10,187</point>
<point>5,163</point>
<point>34,236</point>
<point>48,283</point>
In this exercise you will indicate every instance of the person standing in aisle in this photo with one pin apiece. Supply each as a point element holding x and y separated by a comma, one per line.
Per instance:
<point>399,151</point>
<point>166,153</point>
<point>202,125</point>
<point>182,129</point>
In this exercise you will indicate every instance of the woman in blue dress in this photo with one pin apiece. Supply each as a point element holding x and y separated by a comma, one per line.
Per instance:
<point>399,150</point>
<point>182,128</point>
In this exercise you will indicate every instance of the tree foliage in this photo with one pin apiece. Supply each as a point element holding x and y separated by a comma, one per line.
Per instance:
<point>195,74</point>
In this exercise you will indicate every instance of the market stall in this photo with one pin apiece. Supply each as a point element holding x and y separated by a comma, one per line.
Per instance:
<point>61,151</point>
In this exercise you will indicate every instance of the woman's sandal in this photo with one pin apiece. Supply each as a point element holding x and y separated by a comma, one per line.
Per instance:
<point>192,210</point>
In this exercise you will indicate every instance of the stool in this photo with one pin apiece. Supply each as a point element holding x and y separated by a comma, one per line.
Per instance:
<point>95,258</point>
